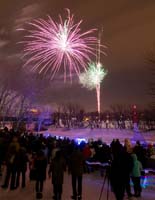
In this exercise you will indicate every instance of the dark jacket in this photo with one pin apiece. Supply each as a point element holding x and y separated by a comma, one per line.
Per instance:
<point>40,167</point>
<point>22,159</point>
<point>57,167</point>
<point>76,163</point>
<point>118,171</point>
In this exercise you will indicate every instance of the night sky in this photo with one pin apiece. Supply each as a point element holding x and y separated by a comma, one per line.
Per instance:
<point>128,33</point>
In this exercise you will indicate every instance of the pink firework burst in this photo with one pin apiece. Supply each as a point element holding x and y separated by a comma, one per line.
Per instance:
<point>50,45</point>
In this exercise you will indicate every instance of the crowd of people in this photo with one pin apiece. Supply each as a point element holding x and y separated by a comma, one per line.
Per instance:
<point>22,152</point>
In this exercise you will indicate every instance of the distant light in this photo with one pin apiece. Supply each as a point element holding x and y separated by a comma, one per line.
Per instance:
<point>46,135</point>
<point>86,119</point>
<point>33,110</point>
<point>79,140</point>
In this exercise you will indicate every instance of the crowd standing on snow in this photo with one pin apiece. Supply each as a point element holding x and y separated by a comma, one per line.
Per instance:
<point>39,156</point>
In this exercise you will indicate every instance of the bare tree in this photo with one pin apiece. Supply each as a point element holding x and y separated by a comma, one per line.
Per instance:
<point>71,108</point>
<point>120,108</point>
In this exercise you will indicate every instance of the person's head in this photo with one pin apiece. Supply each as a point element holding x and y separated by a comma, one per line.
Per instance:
<point>117,141</point>
<point>6,129</point>
<point>138,143</point>
<point>15,139</point>
<point>134,157</point>
<point>127,142</point>
<point>128,145</point>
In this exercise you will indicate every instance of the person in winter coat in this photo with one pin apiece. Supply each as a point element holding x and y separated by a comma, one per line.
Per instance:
<point>57,168</point>
<point>118,172</point>
<point>32,171</point>
<point>86,154</point>
<point>2,152</point>
<point>40,165</point>
<point>11,164</point>
<point>135,175</point>
<point>128,165</point>
<point>140,151</point>
<point>76,167</point>
<point>22,160</point>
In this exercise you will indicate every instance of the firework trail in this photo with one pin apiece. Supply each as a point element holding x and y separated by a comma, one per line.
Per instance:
<point>50,45</point>
<point>92,78</point>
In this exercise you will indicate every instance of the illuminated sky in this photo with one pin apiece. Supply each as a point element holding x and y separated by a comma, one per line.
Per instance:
<point>128,32</point>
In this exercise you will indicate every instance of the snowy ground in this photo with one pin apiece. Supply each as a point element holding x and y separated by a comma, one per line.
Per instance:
<point>92,184</point>
<point>106,134</point>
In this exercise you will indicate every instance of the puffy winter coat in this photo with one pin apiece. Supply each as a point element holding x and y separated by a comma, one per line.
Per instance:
<point>137,167</point>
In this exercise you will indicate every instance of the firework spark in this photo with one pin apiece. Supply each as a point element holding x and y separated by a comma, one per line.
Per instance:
<point>50,45</point>
<point>92,78</point>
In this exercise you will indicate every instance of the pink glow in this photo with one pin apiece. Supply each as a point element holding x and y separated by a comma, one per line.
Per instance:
<point>50,45</point>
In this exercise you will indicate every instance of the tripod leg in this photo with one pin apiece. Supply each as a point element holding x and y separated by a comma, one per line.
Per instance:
<point>103,186</point>
<point>108,189</point>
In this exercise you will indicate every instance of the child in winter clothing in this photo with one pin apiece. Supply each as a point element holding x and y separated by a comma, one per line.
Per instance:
<point>135,175</point>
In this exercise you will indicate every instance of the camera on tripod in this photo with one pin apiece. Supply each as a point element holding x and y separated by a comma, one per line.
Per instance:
<point>105,172</point>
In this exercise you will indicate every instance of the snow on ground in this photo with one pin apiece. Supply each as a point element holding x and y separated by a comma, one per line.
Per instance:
<point>92,184</point>
<point>105,134</point>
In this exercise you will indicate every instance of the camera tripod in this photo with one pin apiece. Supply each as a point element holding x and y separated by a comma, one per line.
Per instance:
<point>106,177</point>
